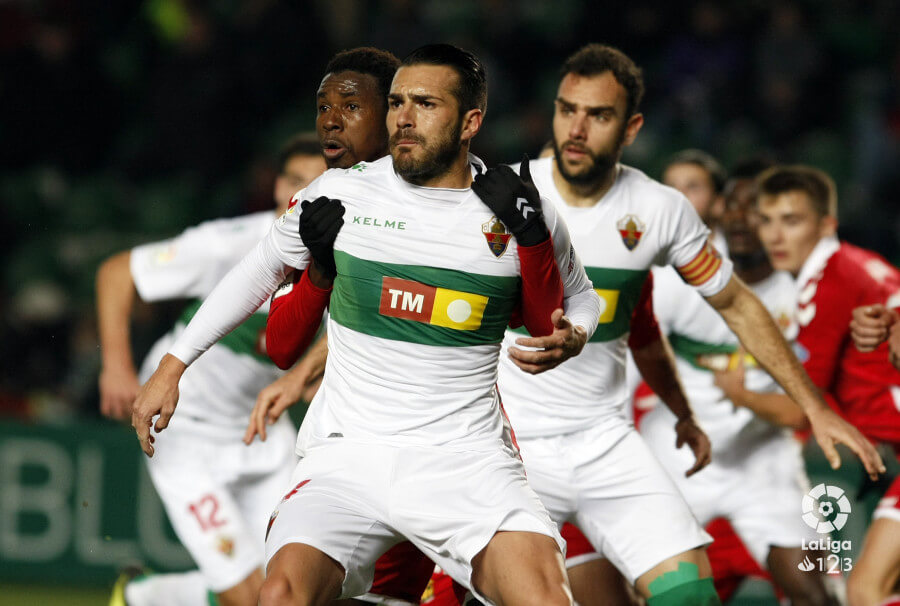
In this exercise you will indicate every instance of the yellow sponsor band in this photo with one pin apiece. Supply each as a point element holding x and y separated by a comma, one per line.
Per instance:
<point>610,300</point>
<point>458,310</point>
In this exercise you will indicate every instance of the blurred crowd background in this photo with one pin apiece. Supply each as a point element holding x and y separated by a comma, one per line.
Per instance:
<point>127,121</point>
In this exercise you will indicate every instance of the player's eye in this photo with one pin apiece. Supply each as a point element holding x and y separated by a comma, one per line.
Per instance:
<point>323,109</point>
<point>353,107</point>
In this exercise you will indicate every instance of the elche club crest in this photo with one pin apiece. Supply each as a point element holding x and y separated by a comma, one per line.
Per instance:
<point>631,229</point>
<point>497,236</point>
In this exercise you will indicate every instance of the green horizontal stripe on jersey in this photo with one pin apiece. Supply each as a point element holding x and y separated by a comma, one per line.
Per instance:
<point>691,350</point>
<point>245,339</point>
<point>356,299</point>
<point>627,284</point>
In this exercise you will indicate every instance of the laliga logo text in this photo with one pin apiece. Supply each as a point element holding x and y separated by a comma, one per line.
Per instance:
<point>821,500</point>
<point>826,509</point>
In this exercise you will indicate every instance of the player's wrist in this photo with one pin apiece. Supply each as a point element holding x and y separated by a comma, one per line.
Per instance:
<point>532,233</point>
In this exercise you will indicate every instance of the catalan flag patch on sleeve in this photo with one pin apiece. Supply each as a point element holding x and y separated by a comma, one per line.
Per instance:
<point>703,267</point>
<point>410,300</point>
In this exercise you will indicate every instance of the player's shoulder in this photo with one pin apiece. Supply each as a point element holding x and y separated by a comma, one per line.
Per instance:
<point>861,266</point>
<point>647,190</point>
<point>229,227</point>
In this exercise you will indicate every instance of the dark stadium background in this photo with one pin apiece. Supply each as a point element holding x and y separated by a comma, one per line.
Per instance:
<point>123,122</point>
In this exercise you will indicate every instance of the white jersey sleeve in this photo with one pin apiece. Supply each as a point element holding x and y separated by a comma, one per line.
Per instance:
<point>580,301</point>
<point>186,266</point>
<point>248,285</point>
<point>691,253</point>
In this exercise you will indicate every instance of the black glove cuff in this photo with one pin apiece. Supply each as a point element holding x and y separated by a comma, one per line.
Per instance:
<point>533,232</point>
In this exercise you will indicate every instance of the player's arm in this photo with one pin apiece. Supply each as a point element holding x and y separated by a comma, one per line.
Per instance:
<point>655,361</point>
<point>754,326</point>
<point>237,296</point>
<point>300,383</point>
<point>115,300</point>
<point>776,408</point>
<point>295,316</point>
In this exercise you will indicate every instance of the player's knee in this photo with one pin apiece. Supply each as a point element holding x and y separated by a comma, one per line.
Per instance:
<point>277,590</point>
<point>551,596</point>
<point>683,587</point>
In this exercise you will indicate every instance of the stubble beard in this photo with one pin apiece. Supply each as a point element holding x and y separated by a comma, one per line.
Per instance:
<point>602,164</point>
<point>438,158</point>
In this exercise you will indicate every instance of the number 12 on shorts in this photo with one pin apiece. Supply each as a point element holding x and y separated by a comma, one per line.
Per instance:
<point>206,511</point>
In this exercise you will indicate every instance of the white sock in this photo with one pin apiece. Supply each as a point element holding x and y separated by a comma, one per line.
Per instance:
<point>177,589</point>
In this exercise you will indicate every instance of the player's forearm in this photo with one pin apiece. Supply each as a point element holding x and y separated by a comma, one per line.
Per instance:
<point>115,300</point>
<point>754,326</point>
<point>542,288</point>
<point>656,364</point>
<point>237,296</point>
<point>583,309</point>
<point>294,319</point>
<point>776,408</point>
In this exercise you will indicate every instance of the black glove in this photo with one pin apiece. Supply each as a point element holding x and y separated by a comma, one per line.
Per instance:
<point>320,222</point>
<point>515,201</point>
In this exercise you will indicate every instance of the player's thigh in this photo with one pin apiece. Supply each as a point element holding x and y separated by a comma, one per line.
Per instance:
<point>876,573</point>
<point>206,517</point>
<point>301,575</point>
<point>596,582</point>
<point>245,593</point>
<point>521,568</point>
<point>335,506</point>
<point>631,510</point>
<point>801,587</point>
<point>453,504</point>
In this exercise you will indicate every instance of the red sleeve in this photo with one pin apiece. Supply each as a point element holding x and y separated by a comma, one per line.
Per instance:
<point>824,329</point>
<point>294,319</point>
<point>644,327</point>
<point>542,287</point>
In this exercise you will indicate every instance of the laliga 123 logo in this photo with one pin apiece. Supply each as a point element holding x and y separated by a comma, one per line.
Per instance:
<point>825,508</point>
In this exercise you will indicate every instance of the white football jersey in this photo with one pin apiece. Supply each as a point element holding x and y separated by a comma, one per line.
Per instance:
<point>219,390</point>
<point>638,223</point>
<point>702,343</point>
<point>427,279</point>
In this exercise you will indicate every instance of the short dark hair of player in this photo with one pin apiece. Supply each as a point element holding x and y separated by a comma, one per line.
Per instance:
<point>700,158</point>
<point>595,59</point>
<point>816,184</point>
<point>380,64</point>
<point>471,91</point>
<point>301,144</point>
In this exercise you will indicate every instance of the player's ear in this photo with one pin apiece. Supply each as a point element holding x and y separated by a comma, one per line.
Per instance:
<point>632,127</point>
<point>827,226</point>
<point>471,124</point>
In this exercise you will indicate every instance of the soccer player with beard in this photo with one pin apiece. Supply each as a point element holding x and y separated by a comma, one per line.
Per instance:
<point>583,456</point>
<point>407,436</point>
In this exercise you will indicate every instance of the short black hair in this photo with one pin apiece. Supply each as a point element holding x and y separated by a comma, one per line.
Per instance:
<point>815,183</point>
<point>471,91</point>
<point>380,64</point>
<point>700,158</point>
<point>595,59</point>
<point>301,144</point>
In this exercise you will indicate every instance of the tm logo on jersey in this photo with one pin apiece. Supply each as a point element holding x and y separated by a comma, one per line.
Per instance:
<point>409,300</point>
<point>496,235</point>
